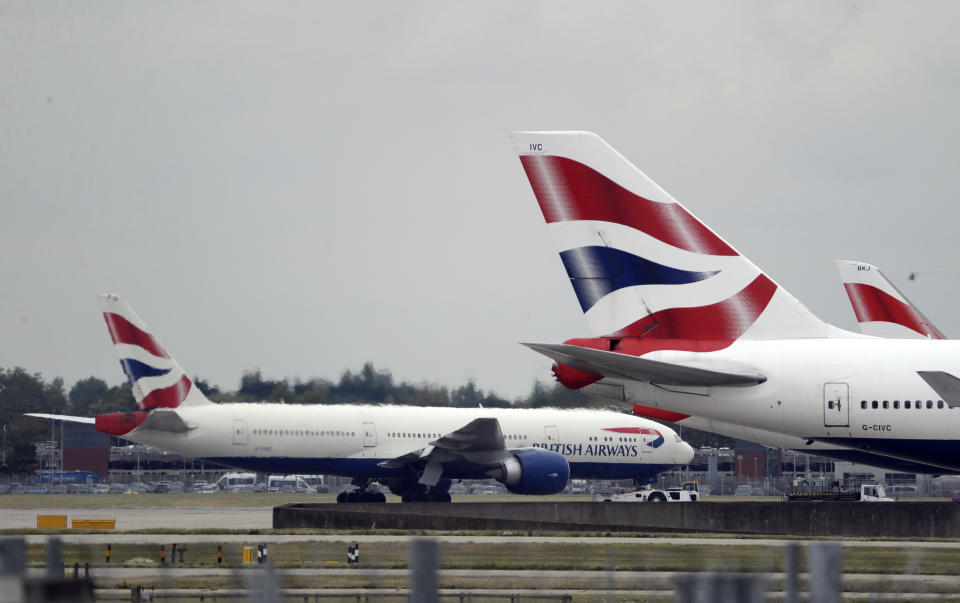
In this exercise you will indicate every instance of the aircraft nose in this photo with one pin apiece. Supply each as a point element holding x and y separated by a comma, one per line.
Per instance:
<point>686,453</point>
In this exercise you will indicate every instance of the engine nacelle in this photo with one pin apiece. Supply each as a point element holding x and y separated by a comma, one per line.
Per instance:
<point>534,471</point>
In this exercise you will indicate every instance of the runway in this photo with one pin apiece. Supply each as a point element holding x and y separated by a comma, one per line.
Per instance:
<point>260,518</point>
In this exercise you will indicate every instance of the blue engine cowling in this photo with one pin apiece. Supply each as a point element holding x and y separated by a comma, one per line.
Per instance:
<point>534,471</point>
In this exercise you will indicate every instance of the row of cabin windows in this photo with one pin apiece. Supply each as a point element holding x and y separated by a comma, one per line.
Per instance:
<point>611,439</point>
<point>304,432</point>
<point>873,404</point>
<point>404,434</point>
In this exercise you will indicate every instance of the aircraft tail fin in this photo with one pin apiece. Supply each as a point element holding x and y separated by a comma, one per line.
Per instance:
<point>157,379</point>
<point>640,263</point>
<point>881,309</point>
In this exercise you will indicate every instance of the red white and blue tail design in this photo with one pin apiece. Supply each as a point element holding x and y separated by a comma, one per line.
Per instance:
<point>641,265</point>
<point>881,309</point>
<point>156,378</point>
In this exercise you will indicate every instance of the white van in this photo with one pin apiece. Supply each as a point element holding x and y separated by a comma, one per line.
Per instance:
<point>237,482</point>
<point>902,491</point>
<point>289,483</point>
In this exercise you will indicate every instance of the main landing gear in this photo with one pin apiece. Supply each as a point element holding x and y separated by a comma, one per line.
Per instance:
<point>424,494</point>
<point>361,494</point>
<point>413,491</point>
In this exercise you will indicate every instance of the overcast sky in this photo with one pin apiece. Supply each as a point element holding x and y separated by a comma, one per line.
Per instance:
<point>303,187</point>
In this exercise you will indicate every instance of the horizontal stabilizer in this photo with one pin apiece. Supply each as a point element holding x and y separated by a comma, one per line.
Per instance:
<point>69,418</point>
<point>946,385</point>
<point>165,419</point>
<point>622,366</point>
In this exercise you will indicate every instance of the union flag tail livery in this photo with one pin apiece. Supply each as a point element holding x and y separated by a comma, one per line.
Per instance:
<point>641,265</point>
<point>881,309</point>
<point>156,378</point>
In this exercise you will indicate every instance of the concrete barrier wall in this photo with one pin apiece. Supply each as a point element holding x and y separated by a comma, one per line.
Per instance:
<point>885,520</point>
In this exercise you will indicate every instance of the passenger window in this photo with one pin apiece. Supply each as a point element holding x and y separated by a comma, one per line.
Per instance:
<point>939,403</point>
<point>906,404</point>
<point>830,404</point>
<point>863,403</point>
<point>896,403</point>
<point>886,404</point>
<point>874,405</point>
<point>929,403</point>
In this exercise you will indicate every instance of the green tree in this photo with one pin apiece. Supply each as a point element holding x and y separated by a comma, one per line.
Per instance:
<point>22,392</point>
<point>91,396</point>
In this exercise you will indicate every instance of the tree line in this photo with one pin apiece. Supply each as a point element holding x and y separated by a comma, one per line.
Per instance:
<point>22,392</point>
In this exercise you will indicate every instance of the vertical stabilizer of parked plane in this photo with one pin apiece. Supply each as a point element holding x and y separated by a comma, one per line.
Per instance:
<point>641,265</point>
<point>156,378</point>
<point>881,309</point>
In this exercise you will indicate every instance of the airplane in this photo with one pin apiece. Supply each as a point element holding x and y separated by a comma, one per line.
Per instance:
<point>685,324</point>
<point>881,309</point>
<point>415,451</point>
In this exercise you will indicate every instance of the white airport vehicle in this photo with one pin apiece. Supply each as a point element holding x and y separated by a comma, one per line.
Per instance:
<point>415,451</point>
<point>289,483</point>
<point>881,309</point>
<point>237,482</point>
<point>687,492</point>
<point>685,325</point>
<point>866,493</point>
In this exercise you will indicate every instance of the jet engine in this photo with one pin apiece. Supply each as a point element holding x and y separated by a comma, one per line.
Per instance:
<point>533,471</point>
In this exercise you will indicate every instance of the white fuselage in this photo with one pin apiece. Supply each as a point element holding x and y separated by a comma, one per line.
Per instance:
<point>353,440</point>
<point>872,379</point>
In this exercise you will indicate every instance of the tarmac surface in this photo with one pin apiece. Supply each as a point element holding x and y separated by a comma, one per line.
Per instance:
<point>152,518</point>
<point>260,518</point>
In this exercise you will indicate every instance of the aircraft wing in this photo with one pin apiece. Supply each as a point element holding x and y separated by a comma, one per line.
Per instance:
<point>623,366</point>
<point>479,443</point>
<point>69,418</point>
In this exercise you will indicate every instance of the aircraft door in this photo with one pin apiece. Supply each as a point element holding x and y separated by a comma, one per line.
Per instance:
<point>552,434</point>
<point>239,432</point>
<point>836,405</point>
<point>369,435</point>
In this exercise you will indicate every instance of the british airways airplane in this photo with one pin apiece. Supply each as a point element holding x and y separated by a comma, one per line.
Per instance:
<point>882,310</point>
<point>684,324</point>
<point>415,451</point>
